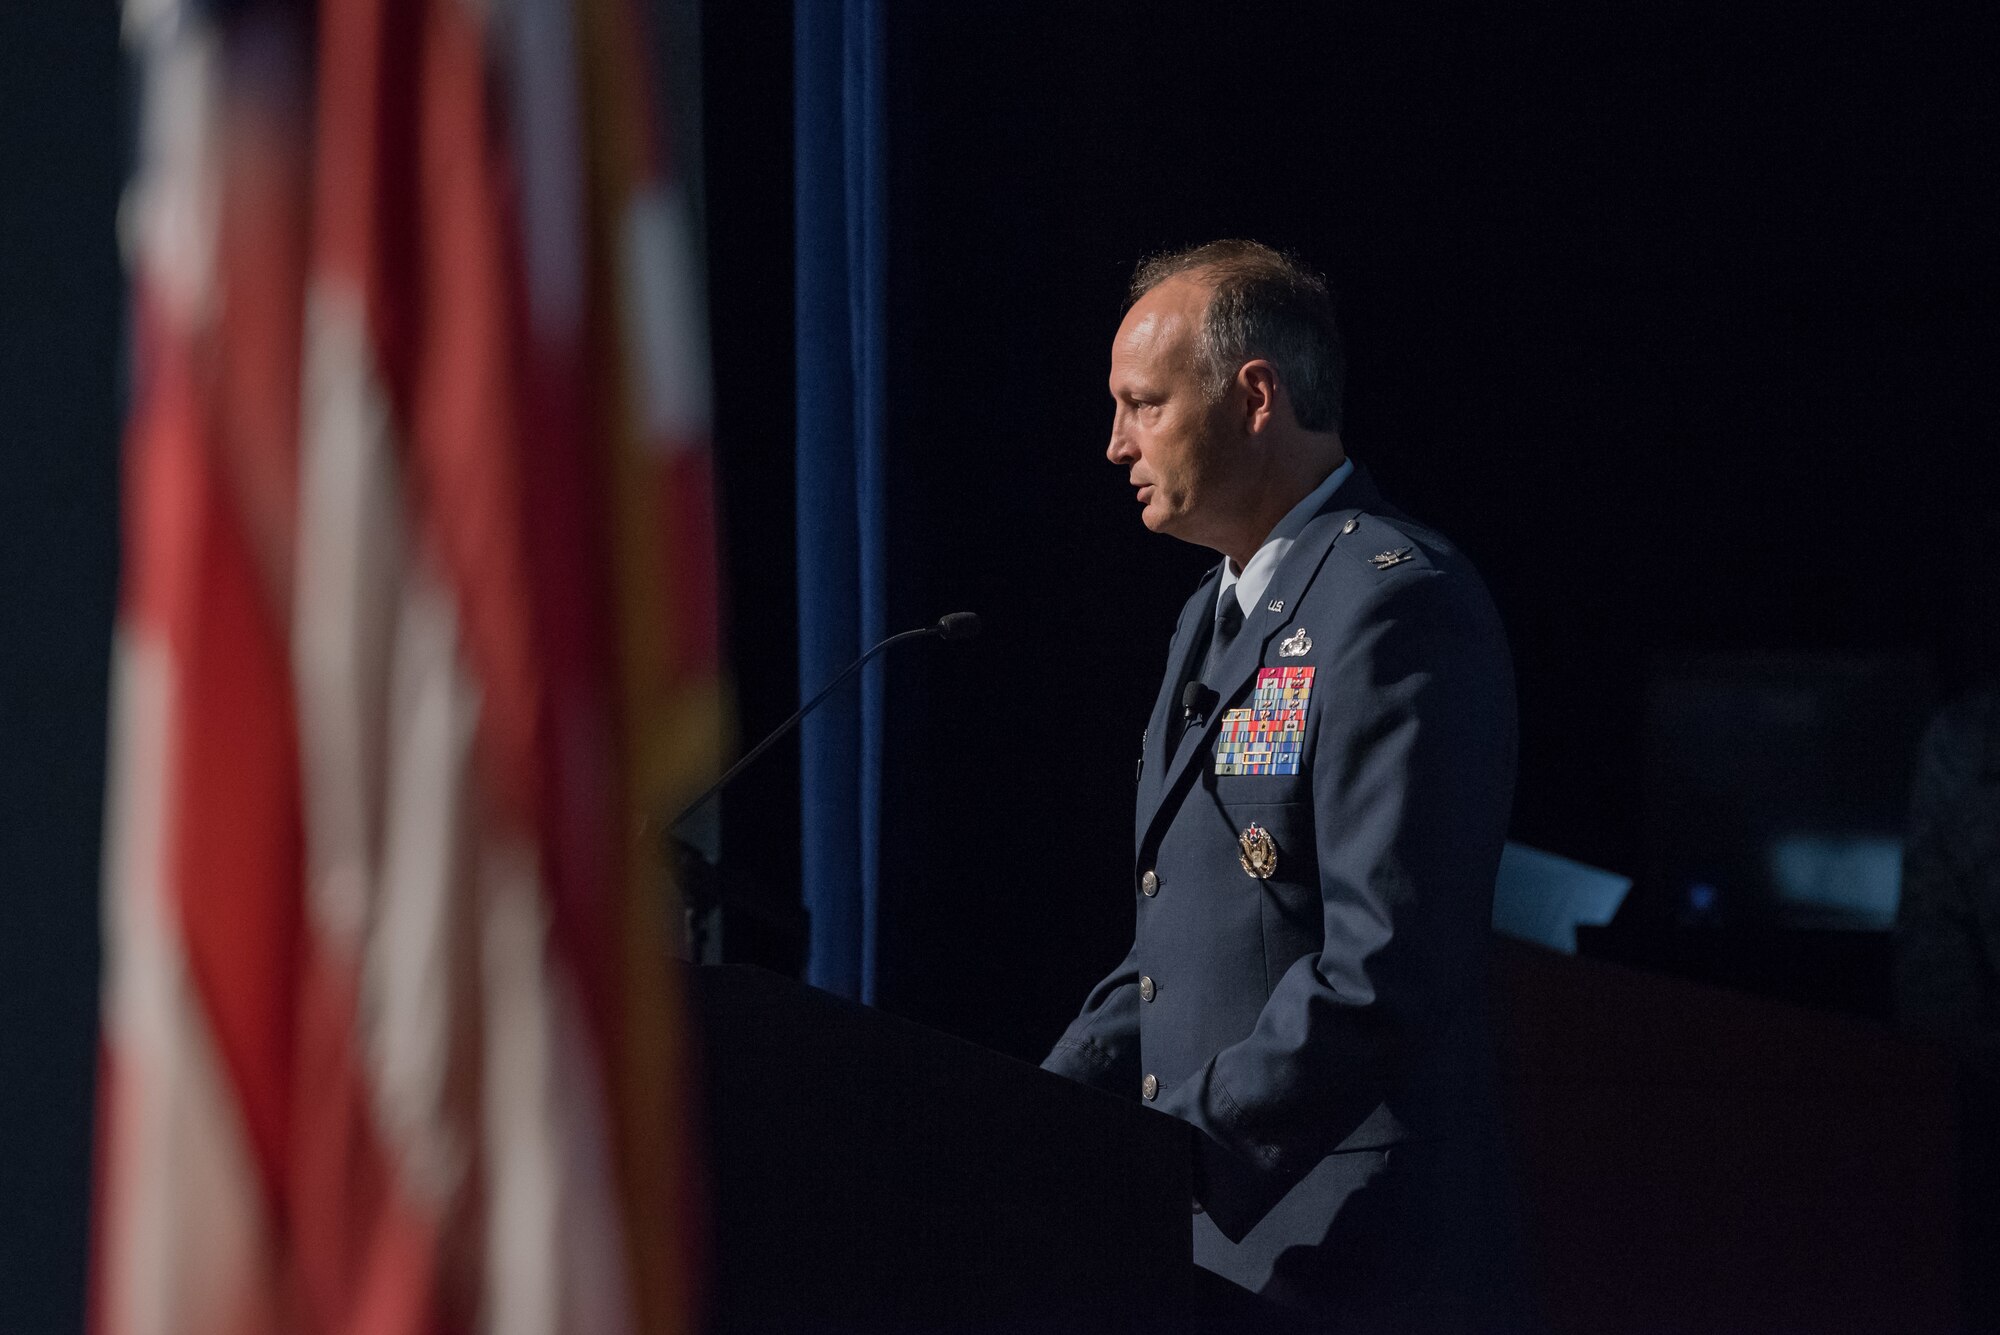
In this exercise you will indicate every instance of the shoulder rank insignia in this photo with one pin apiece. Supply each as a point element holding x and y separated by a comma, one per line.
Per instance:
<point>1260,852</point>
<point>1383,560</point>
<point>1295,646</point>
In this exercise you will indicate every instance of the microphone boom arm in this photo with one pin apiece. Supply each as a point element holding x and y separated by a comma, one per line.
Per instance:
<point>784,728</point>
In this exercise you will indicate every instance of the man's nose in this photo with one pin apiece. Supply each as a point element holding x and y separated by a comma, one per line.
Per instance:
<point>1120,450</point>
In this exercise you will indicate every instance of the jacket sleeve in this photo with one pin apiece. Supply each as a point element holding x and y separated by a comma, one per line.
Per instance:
<point>1101,1045</point>
<point>1412,782</point>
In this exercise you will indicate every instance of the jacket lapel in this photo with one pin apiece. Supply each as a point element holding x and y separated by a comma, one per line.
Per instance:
<point>1183,660</point>
<point>1234,675</point>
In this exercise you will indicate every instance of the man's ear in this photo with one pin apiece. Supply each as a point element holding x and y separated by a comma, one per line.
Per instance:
<point>1258,381</point>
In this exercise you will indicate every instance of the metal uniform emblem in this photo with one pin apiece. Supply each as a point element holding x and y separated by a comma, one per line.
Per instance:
<point>1296,646</point>
<point>1383,560</point>
<point>1275,605</point>
<point>1260,852</point>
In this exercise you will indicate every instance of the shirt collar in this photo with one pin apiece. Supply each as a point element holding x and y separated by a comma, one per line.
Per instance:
<point>1250,582</point>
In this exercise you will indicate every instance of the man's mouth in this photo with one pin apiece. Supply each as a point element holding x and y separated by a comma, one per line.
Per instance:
<point>1145,492</point>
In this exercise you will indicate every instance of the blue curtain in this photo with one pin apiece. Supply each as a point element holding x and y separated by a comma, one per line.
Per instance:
<point>841,207</point>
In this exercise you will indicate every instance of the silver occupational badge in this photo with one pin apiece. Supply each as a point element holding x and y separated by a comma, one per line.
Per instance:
<point>1260,852</point>
<point>1296,645</point>
<point>1383,560</point>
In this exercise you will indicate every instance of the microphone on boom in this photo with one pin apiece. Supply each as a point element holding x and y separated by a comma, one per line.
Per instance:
<point>951,626</point>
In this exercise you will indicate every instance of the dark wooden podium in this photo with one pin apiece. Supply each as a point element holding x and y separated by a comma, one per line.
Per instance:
<point>869,1174</point>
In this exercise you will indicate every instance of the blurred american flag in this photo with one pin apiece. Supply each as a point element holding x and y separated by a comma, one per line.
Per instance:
<point>418,615</point>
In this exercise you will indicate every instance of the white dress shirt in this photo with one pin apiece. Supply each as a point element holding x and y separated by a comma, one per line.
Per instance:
<point>1254,578</point>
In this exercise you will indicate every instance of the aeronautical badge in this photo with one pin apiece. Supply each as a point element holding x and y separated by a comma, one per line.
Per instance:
<point>1295,646</point>
<point>1260,852</point>
<point>1383,560</point>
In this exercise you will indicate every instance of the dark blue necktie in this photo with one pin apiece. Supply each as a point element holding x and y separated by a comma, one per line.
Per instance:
<point>1228,625</point>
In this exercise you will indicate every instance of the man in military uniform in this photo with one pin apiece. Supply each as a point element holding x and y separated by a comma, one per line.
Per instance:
<point>1323,794</point>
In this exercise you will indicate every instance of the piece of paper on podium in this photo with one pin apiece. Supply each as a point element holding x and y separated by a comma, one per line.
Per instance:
<point>1542,897</point>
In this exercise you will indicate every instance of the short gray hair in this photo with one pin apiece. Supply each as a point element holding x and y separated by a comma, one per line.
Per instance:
<point>1261,303</point>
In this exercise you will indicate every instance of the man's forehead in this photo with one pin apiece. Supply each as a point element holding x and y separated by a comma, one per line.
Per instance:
<point>1145,332</point>
<point>1158,325</point>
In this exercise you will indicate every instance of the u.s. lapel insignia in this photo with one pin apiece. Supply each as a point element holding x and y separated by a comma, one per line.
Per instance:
<point>1295,646</point>
<point>1260,852</point>
<point>1275,605</point>
<point>1383,560</point>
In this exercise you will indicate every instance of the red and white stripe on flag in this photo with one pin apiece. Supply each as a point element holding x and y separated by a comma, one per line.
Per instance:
<point>417,615</point>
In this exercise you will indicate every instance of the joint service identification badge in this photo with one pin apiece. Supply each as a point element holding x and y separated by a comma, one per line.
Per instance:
<point>1260,852</point>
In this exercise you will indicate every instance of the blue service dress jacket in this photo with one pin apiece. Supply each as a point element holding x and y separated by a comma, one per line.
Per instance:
<point>1307,980</point>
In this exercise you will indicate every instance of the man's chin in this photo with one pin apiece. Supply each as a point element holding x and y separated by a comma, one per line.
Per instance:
<point>1176,526</point>
<point>1170,525</point>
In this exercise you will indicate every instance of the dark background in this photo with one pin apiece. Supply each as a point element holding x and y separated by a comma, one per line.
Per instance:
<point>1678,320</point>
<point>62,159</point>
